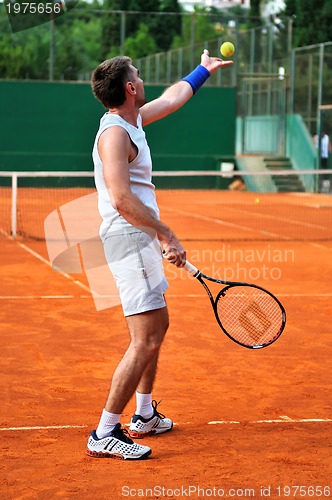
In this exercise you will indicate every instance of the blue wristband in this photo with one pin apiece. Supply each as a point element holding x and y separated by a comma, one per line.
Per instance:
<point>197,77</point>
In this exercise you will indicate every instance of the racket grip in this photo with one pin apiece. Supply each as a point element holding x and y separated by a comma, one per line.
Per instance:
<point>190,268</point>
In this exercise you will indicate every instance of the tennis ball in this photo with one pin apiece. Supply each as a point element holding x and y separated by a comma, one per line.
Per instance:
<point>257,200</point>
<point>227,49</point>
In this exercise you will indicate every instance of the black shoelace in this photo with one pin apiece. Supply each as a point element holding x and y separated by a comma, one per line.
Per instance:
<point>121,434</point>
<point>156,412</point>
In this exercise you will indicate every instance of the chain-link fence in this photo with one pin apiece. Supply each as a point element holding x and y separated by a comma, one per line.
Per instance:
<point>164,45</point>
<point>72,45</point>
<point>167,67</point>
<point>259,51</point>
<point>311,86</point>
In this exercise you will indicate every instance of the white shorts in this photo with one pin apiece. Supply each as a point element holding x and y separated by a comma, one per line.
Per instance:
<point>135,260</point>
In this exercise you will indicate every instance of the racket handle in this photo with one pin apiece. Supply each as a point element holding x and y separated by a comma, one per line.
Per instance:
<point>190,268</point>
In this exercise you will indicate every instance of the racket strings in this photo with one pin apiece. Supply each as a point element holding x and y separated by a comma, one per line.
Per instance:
<point>250,315</point>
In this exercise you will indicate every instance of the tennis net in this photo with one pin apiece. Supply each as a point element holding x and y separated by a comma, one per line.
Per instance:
<point>197,205</point>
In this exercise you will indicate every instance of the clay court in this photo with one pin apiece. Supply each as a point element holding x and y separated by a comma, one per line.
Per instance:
<point>249,423</point>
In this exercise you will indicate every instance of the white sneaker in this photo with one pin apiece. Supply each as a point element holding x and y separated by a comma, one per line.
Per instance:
<point>116,445</point>
<point>157,424</point>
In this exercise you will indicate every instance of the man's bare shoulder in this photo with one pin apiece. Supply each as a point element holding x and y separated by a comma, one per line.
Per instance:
<point>114,141</point>
<point>114,131</point>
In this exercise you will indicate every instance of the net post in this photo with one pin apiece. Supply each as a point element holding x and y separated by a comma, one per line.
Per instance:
<point>14,205</point>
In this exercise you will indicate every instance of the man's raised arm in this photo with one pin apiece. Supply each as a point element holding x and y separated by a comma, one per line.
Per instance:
<point>178,94</point>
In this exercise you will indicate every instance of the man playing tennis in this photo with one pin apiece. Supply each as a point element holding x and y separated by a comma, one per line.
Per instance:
<point>133,236</point>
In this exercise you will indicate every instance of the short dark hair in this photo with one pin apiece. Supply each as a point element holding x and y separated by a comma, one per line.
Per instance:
<point>109,79</point>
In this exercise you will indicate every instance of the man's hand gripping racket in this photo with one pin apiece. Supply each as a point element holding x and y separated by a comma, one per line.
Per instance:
<point>249,315</point>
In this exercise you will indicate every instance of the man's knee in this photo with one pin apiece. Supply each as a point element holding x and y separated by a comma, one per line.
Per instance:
<point>148,330</point>
<point>147,346</point>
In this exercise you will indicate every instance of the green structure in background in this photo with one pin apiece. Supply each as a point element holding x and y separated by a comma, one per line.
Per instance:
<point>48,126</point>
<point>51,126</point>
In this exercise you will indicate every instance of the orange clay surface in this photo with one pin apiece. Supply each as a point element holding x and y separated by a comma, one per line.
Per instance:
<point>248,424</point>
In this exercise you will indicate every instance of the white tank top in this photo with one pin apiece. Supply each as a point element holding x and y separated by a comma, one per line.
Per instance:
<point>140,171</point>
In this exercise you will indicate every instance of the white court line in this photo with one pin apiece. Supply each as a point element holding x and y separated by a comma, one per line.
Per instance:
<point>41,428</point>
<point>169,295</point>
<point>282,219</point>
<point>223,223</point>
<point>47,262</point>
<point>245,228</point>
<point>78,283</point>
<point>304,294</point>
<point>320,245</point>
<point>53,297</point>
<point>33,297</point>
<point>281,419</point>
<point>279,295</point>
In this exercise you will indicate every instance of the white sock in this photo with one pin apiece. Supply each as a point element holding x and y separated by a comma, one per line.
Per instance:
<point>144,405</point>
<point>107,423</point>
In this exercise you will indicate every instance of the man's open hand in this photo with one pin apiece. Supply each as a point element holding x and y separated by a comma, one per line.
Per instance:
<point>213,63</point>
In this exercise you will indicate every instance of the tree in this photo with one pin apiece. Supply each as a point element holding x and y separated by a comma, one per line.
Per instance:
<point>140,45</point>
<point>312,21</point>
<point>327,20</point>
<point>110,26</point>
<point>141,7</point>
<point>161,28</point>
<point>77,42</point>
<point>290,10</point>
<point>23,54</point>
<point>254,22</point>
<point>204,28</point>
<point>83,38</point>
<point>254,13</point>
<point>168,26</point>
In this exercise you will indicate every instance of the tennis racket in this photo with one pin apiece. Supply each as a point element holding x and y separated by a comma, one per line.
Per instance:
<point>248,314</point>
